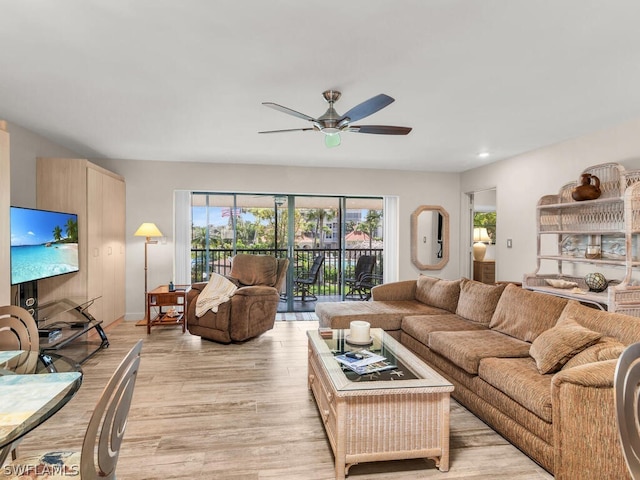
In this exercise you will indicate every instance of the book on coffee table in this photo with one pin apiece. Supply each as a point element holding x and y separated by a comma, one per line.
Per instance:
<point>359,358</point>
<point>363,362</point>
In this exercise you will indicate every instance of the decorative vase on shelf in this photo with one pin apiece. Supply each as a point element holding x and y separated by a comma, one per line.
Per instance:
<point>593,252</point>
<point>586,190</point>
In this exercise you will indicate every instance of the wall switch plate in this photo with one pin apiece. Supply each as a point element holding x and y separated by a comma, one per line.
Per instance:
<point>509,243</point>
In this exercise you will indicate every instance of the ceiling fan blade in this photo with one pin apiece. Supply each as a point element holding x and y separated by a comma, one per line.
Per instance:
<point>280,108</point>
<point>368,107</point>
<point>288,130</point>
<point>380,129</point>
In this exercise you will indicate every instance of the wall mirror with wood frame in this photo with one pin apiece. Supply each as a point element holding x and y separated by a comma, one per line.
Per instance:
<point>430,237</point>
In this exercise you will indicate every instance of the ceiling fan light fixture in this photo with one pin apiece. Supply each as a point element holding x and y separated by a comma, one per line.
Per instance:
<point>331,123</point>
<point>332,140</point>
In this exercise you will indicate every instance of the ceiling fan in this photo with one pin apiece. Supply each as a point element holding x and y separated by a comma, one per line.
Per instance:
<point>331,123</point>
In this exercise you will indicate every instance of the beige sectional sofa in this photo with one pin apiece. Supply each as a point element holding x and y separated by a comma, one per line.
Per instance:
<point>537,368</point>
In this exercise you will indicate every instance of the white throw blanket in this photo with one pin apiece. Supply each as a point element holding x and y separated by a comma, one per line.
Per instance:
<point>217,291</point>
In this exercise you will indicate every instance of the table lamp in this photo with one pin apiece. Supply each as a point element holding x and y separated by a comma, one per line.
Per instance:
<point>147,230</point>
<point>480,237</point>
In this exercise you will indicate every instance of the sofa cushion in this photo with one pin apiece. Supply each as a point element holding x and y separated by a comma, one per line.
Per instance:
<point>553,348</point>
<point>420,326</point>
<point>605,349</point>
<point>519,379</point>
<point>254,269</point>
<point>385,314</point>
<point>466,349</point>
<point>524,314</point>
<point>478,300</point>
<point>438,293</point>
<point>623,328</point>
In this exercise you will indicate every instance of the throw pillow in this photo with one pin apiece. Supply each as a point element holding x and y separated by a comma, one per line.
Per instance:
<point>554,347</point>
<point>524,314</point>
<point>438,293</point>
<point>478,300</point>
<point>608,349</point>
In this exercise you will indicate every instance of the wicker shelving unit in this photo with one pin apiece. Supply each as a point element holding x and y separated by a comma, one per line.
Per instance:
<point>566,227</point>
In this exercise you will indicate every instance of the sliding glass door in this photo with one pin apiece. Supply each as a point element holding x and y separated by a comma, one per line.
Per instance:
<point>340,230</point>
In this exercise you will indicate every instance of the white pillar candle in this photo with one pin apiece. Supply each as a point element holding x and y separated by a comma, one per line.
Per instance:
<point>359,331</point>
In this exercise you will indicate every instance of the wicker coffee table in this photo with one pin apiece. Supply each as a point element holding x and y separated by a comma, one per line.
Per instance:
<point>391,415</point>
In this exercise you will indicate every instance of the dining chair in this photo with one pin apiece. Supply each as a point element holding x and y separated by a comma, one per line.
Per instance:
<point>103,438</point>
<point>18,329</point>
<point>625,386</point>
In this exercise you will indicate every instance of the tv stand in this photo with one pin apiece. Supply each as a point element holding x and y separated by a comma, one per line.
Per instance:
<point>61,322</point>
<point>27,297</point>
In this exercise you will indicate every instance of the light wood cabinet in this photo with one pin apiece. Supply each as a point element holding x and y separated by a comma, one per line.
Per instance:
<point>484,271</point>
<point>98,197</point>
<point>569,231</point>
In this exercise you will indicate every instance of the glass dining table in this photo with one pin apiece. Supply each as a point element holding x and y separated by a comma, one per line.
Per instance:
<point>33,387</point>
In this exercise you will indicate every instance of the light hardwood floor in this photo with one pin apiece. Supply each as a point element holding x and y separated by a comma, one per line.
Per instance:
<point>207,411</point>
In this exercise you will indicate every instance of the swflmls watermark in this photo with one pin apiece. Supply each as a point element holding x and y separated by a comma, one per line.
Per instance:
<point>41,469</point>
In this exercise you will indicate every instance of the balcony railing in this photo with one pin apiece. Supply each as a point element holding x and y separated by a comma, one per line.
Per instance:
<point>330,279</point>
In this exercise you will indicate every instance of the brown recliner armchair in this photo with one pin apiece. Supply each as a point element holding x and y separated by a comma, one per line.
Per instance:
<point>252,309</point>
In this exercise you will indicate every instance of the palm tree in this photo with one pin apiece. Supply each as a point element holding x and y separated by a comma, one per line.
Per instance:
<point>351,226</point>
<point>72,230</point>
<point>198,237</point>
<point>57,233</point>
<point>370,224</point>
<point>317,217</point>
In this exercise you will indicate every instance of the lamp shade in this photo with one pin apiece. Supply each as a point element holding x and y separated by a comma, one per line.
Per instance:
<point>481,235</point>
<point>148,230</point>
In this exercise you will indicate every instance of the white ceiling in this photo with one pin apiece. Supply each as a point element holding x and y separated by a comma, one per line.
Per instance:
<point>183,80</point>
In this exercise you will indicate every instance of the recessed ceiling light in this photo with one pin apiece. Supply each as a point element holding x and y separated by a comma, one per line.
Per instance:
<point>483,154</point>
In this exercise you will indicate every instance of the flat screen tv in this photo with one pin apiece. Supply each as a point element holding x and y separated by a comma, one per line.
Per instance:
<point>43,244</point>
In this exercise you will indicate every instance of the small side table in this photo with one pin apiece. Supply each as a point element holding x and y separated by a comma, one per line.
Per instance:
<point>161,297</point>
<point>484,271</point>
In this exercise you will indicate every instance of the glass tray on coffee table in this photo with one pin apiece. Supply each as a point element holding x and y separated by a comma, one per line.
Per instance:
<point>340,345</point>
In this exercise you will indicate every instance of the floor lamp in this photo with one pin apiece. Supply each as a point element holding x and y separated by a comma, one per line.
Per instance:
<point>147,230</point>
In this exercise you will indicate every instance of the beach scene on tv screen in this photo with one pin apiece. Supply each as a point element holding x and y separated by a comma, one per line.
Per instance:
<point>43,244</point>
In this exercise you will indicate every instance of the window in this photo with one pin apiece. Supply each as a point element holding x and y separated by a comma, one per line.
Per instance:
<point>488,221</point>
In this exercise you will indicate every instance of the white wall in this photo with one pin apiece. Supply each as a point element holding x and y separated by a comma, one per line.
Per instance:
<point>150,188</point>
<point>522,180</point>
<point>26,146</point>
